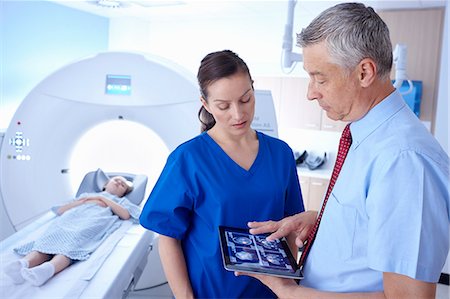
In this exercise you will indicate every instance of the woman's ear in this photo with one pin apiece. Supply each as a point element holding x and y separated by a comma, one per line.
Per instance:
<point>205,104</point>
<point>367,72</point>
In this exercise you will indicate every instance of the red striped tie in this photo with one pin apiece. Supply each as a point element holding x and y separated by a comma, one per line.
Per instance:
<point>344,146</point>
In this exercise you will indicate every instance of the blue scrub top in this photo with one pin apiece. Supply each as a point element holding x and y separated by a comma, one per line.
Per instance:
<point>201,187</point>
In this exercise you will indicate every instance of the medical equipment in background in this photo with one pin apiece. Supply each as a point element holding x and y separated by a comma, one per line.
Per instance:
<point>265,119</point>
<point>52,118</point>
<point>399,54</point>
<point>120,259</point>
<point>38,145</point>
<point>289,59</point>
<point>312,160</point>
<point>35,157</point>
<point>5,227</point>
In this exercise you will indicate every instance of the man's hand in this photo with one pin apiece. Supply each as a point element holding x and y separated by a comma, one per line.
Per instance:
<point>298,224</point>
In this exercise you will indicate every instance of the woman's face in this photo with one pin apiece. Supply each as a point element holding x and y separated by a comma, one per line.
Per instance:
<point>117,186</point>
<point>231,101</point>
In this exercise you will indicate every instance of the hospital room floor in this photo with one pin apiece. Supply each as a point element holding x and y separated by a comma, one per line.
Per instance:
<point>163,292</point>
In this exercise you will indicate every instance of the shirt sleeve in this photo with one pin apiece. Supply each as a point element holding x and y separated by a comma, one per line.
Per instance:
<point>133,209</point>
<point>407,206</point>
<point>169,207</point>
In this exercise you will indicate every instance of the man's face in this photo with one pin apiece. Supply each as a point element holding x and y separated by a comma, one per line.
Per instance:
<point>337,91</point>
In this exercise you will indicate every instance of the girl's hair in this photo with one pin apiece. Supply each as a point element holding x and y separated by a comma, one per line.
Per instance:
<point>130,187</point>
<point>215,66</point>
<point>129,184</point>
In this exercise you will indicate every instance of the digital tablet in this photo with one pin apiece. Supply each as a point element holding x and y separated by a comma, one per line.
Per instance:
<point>242,251</point>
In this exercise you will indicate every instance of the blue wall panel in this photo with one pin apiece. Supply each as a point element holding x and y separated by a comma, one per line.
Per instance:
<point>37,38</point>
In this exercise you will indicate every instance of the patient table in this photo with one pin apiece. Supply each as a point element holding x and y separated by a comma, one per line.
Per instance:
<point>110,272</point>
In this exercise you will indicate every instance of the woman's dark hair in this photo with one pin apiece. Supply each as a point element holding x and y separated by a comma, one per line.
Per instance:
<point>215,66</point>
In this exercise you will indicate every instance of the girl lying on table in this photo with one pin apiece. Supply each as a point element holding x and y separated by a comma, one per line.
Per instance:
<point>80,228</point>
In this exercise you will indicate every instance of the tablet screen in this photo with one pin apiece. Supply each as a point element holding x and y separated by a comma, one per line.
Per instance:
<point>245,252</point>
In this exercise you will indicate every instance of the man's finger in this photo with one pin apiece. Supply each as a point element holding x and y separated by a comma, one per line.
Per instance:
<point>262,227</point>
<point>281,232</point>
<point>299,242</point>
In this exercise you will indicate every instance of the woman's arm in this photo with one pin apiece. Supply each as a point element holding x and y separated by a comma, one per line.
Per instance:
<point>174,265</point>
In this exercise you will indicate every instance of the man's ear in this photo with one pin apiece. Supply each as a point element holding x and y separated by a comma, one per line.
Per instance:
<point>367,69</point>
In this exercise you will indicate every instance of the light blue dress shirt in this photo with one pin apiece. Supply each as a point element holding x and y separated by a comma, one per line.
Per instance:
<point>389,210</point>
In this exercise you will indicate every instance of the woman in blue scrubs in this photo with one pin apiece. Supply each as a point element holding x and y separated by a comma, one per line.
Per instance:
<point>228,175</point>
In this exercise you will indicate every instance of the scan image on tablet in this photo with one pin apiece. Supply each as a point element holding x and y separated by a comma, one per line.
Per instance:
<point>242,251</point>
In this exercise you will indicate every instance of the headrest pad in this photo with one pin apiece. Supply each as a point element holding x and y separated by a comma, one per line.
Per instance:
<point>100,179</point>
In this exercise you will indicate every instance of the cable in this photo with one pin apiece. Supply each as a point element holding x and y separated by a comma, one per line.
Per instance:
<point>149,288</point>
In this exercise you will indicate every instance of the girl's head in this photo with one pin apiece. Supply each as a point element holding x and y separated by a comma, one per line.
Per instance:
<point>118,186</point>
<point>215,67</point>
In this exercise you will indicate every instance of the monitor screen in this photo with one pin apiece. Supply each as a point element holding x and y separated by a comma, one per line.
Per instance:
<point>242,251</point>
<point>118,85</point>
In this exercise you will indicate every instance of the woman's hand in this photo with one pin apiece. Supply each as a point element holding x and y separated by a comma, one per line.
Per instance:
<point>299,224</point>
<point>278,285</point>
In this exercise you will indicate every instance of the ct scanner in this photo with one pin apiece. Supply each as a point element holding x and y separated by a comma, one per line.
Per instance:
<point>36,157</point>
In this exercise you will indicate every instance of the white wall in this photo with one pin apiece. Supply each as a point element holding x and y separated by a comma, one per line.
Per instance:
<point>129,34</point>
<point>257,39</point>
<point>441,129</point>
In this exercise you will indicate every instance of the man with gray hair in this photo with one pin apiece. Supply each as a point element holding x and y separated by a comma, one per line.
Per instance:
<point>383,231</point>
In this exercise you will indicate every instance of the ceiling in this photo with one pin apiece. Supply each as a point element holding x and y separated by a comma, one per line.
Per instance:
<point>160,10</point>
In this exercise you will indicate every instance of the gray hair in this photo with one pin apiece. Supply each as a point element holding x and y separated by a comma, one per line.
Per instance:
<point>352,32</point>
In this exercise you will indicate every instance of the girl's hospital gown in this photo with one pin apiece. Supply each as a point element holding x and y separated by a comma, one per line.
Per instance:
<point>201,187</point>
<point>79,231</point>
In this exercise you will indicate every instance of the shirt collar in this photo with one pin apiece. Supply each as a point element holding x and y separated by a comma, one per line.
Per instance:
<point>376,116</point>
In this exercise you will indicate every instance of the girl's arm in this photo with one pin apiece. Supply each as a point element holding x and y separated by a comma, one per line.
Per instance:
<point>115,207</point>
<point>101,201</point>
<point>71,205</point>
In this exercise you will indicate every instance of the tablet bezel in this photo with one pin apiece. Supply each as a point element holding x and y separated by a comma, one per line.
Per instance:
<point>230,266</point>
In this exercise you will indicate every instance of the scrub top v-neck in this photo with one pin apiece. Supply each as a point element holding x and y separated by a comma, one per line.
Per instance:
<point>216,147</point>
<point>201,187</point>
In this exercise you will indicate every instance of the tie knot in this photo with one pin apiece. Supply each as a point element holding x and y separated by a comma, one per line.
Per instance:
<point>346,133</point>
